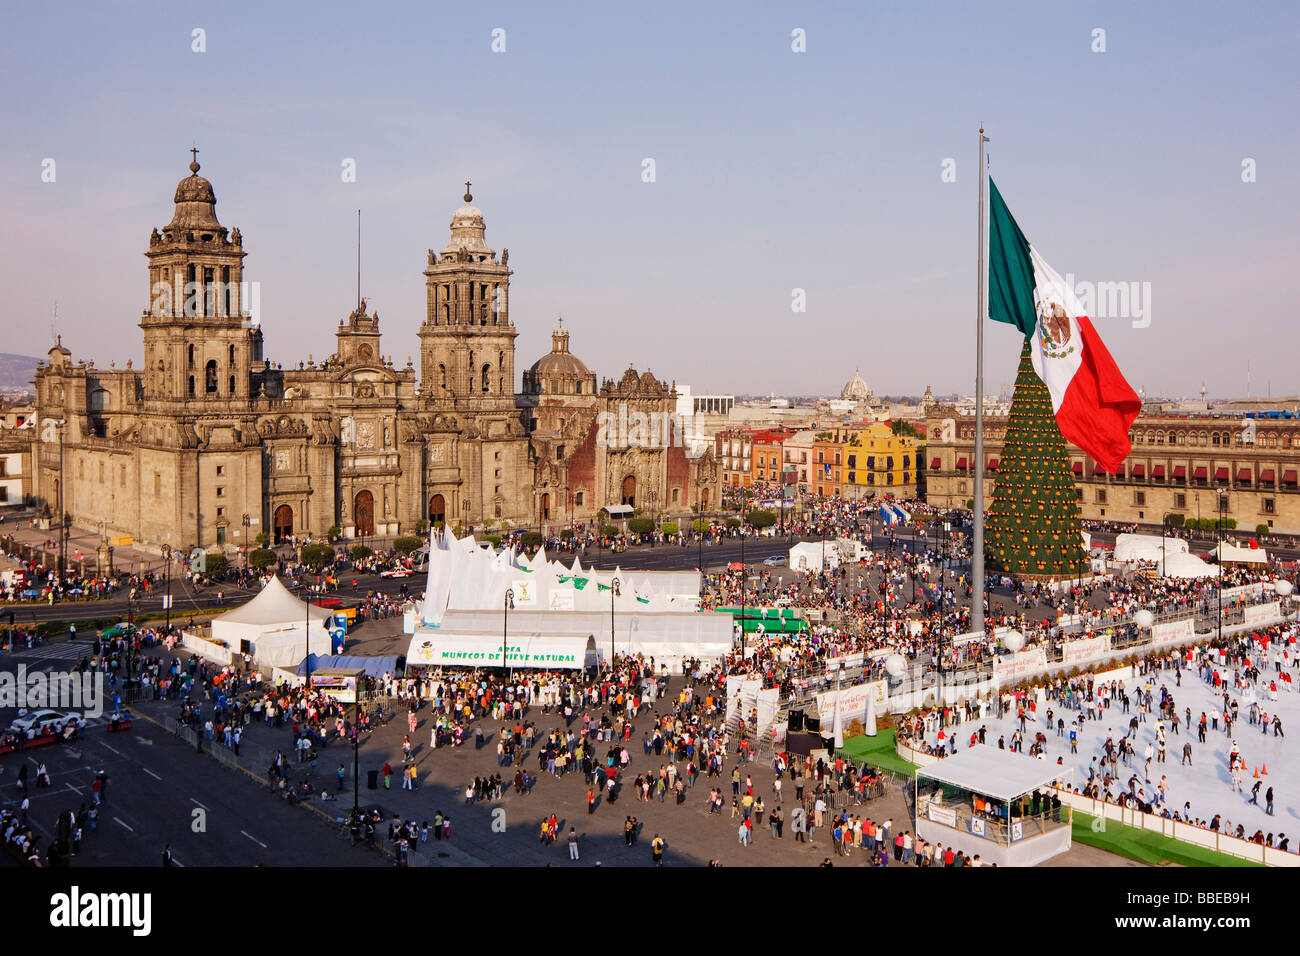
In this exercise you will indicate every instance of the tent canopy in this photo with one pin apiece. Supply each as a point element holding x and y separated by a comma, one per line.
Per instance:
<point>373,666</point>
<point>1000,774</point>
<point>275,605</point>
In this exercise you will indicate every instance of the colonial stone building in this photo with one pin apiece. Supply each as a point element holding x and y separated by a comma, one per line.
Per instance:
<point>209,443</point>
<point>1179,464</point>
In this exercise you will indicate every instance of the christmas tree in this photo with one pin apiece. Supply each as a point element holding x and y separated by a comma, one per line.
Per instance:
<point>1033,528</point>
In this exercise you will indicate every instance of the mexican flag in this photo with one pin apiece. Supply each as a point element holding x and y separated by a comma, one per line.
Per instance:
<point>1093,404</point>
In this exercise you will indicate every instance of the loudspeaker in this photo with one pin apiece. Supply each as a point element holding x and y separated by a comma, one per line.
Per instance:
<point>812,724</point>
<point>795,721</point>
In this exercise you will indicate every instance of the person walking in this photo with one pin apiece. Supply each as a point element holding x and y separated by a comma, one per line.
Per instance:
<point>573,843</point>
<point>1268,801</point>
<point>657,850</point>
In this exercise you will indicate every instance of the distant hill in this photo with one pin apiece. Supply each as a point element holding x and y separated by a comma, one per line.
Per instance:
<point>17,371</point>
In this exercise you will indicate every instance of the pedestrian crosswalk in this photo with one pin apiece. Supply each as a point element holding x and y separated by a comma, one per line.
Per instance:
<point>64,652</point>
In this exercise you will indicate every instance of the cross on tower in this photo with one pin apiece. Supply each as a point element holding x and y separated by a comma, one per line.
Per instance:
<point>468,197</point>
<point>194,153</point>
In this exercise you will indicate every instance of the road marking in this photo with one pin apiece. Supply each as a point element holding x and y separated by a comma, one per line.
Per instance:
<point>253,838</point>
<point>74,789</point>
<point>192,800</point>
<point>118,752</point>
<point>151,773</point>
<point>129,827</point>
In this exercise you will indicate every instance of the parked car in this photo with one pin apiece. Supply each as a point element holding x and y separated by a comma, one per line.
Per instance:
<point>775,561</point>
<point>41,722</point>
<point>119,629</point>
<point>396,573</point>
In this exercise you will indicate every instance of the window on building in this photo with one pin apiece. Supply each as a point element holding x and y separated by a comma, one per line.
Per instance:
<point>122,477</point>
<point>1268,506</point>
<point>577,499</point>
<point>221,492</point>
<point>157,485</point>
<point>221,470</point>
<point>1180,501</point>
<point>210,377</point>
<point>1101,496</point>
<point>676,495</point>
<point>1140,498</point>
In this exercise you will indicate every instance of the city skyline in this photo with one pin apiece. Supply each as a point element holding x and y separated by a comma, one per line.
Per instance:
<point>771,175</point>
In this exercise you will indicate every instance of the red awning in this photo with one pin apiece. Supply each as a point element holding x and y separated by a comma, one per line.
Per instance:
<point>1077,467</point>
<point>1266,476</point>
<point>1243,474</point>
<point>1288,477</point>
<point>934,465</point>
<point>961,462</point>
<point>1221,474</point>
<point>1157,471</point>
<point>1138,471</point>
<point>1097,469</point>
<point>993,464</point>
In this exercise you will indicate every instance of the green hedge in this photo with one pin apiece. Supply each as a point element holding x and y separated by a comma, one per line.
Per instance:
<point>261,558</point>
<point>640,525</point>
<point>759,518</point>
<point>669,527</point>
<point>608,531</point>
<point>406,544</point>
<point>359,552</point>
<point>317,555</point>
<point>699,525</point>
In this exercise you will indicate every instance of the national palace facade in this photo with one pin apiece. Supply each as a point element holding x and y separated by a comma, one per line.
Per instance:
<point>1179,464</point>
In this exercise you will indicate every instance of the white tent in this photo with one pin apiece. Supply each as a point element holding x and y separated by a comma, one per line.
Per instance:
<point>807,556</point>
<point>274,628</point>
<point>1169,555</point>
<point>464,577</point>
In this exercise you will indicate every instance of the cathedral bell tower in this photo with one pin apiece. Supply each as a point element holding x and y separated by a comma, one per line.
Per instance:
<point>467,342</point>
<point>199,343</point>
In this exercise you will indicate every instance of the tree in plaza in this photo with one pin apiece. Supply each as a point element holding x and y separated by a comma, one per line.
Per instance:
<point>406,544</point>
<point>760,518</point>
<point>261,558</point>
<point>359,552</point>
<point>216,564</point>
<point>699,525</point>
<point>316,556</point>
<point>640,525</point>
<point>1034,528</point>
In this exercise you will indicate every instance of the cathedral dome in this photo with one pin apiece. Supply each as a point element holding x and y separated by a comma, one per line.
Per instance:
<point>856,390</point>
<point>559,368</point>
<point>194,188</point>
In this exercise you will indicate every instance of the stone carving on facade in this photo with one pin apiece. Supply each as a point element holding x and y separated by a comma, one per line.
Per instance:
<point>366,435</point>
<point>347,431</point>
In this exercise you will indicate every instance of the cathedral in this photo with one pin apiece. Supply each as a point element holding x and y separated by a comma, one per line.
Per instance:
<point>208,443</point>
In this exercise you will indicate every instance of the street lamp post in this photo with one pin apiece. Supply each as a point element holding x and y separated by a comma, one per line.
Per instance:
<point>1222,503</point>
<point>247,522</point>
<point>614,592</point>
<point>507,604</point>
<point>356,738</point>
<point>167,571</point>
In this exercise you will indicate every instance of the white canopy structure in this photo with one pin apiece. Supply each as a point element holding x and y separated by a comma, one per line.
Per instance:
<point>275,628</point>
<point>654,613</point>
<point>1235,554</point>
<point>999,774</point>
<point>464,576</point>
<point>1169,554</point>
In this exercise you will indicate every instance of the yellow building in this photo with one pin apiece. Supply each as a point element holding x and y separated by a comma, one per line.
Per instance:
<point>878,462</point>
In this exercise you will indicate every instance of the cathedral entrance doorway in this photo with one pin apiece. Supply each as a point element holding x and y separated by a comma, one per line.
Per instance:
<point>283,524</point>
<point>437,511</point>
<point>364,510</point>
<point>629,490</point>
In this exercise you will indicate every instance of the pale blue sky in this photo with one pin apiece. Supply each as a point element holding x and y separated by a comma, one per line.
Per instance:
<point>775,171</point>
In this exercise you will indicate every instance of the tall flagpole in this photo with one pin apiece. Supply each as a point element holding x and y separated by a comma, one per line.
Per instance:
<point>977,540</point>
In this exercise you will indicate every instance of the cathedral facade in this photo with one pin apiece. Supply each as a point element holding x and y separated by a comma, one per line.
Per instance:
<point>209,443</point>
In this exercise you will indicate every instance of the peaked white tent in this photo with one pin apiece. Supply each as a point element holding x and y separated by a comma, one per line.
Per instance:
<point>1235,554</point>
<point>276,628</point>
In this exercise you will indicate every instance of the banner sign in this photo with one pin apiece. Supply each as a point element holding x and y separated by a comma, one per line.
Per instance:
<point>849,660</point>
<point>1173,631</point>
<point>944,815</point>
<point>853,702</point>
<point>1076,652</point>
<point>1020,664</point>
<point>1258,614</point>
<point>545,653</point>
<point>561,600</point>
<point>525,593</point>
<point>957,640</point>
<point>342,687</point>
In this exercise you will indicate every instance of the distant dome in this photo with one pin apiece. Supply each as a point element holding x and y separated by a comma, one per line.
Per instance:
<point>194,188</point>
<point>856,390</point>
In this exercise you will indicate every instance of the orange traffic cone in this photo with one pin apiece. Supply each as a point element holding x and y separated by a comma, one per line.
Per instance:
<point>1265,770</point>
<point>1256,773</point>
